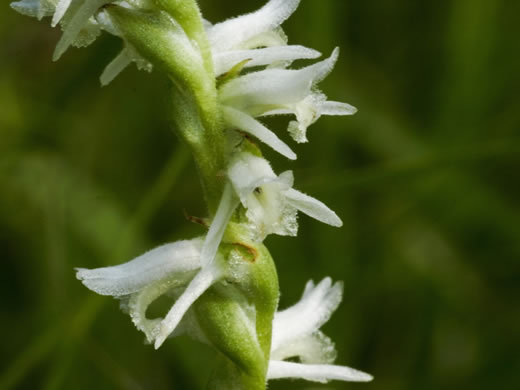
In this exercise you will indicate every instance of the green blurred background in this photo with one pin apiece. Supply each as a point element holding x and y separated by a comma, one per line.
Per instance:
<point>425,178</point>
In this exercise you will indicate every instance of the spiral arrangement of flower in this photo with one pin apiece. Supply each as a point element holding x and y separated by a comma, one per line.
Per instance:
<point>225,77</point>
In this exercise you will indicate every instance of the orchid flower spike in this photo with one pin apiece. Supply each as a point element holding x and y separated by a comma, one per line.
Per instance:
<point>296,334</point>
<point>270,202</point>
<point>224,285</point>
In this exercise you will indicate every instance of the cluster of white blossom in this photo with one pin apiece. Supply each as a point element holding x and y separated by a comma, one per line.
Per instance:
<point>251,59</point>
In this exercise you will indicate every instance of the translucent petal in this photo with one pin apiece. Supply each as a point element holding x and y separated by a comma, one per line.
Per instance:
<point>159,263</point>
<point>308,315</point>
<point>273,87</point>
<point>33,8</point>
<point>88,34</point>
<point>115,67</point>
<point>270,38</point>
<point>230,33</point>
<point>312,349</point>
<point>241,121</point>
<point>76,24</point>
<point>286,179</point>
<point>315,372</point>
<point>312,207</point>
<point>139,302</point>
<point>202,281</point>
<point>336,108</point>
<point>61,8</point>
<point>268,87</point>
<point>247,172</point>
<point>226,207</point>
<point>210,273</point>
<point>226,60</point>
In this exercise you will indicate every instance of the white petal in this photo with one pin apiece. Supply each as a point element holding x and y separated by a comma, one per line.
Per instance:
<point>312,207</point>
<point>226,207</point>
<point>315,372</point>
<point>336,108</point>
<point>159,263</point>
<point>232,32</point>
<point>115,67</point>
<point>266,39</point>
<point>210,273</point>
<point>258,92</point>
<point>139,302</point>
<point>244,122</point>
<point>247,172</point>
<point>202,281</point>
<point>308,315</point>
<point>286,179</point>
<point>226,60</point>
<point>312,349</point>
<point>270,87</point>
<point>76,24</point>
<point>61,8</point>
<point>33,8</point>
<point>321,69</point>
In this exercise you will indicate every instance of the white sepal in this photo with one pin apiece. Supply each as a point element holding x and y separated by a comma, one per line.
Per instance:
<point>296,334</point>
<point>199,284</point>
<point>118,64</point>
<point>244,122</point>
<point>76,24</point>
<point>269,89</point>
<point>315,372</point>
<point>224,61</point>
<point>308,315</point>
<point>212,271</point>
<point>166,261</point>
<point>232,32</point>
<point>34,8</point>
<point>61,8</point>
<point>312,207</point>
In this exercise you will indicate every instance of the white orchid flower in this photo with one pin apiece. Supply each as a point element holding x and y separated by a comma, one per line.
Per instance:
<point>270,201</point>
<point>139,282</point>
<point>185,270</point>
<point>296,334</point>
<point>82,22</point>
<point>256,39</point>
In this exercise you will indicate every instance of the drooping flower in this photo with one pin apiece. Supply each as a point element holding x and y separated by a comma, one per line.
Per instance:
<point>296,334</point>
<point>270,202</point>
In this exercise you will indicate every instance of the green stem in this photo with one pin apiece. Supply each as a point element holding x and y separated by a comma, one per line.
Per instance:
<point>207,144</point>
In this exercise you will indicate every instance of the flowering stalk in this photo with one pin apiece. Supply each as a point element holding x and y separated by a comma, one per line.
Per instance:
<point>223,78</point>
